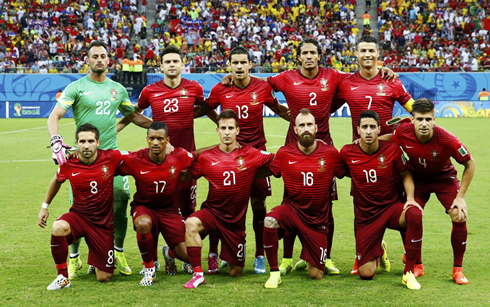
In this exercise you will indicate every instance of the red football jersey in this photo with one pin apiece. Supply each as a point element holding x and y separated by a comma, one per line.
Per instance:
<point>431,161</point>
<point>372,178</point>
<point>248,105</point>
<point>156,182</point>
<point>307,180</point>
<point>174,107</point>
<point>315,94</point>
<point>376,94</point>
<point>230,177</point>
<point>92,186</point>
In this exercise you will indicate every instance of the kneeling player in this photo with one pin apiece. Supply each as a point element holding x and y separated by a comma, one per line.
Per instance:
<point>91,178</point>
<point>230,171</point>
<point>153,208</point>
<point>377,204</point>
<point>307,168</point>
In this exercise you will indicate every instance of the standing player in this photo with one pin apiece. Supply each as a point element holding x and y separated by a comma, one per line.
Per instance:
<point>230,171</point>
<point>430,149</point>
<point>307,168</point>
<point>96,99</point>
<point>91,216</point>
<point>377,205</point>
<point>247,98</point>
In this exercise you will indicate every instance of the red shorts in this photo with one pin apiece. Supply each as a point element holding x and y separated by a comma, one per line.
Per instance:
<point>100,241</point>
<point>314,241</point>
<point>369,236</point>
<point>185,196</point>
<point>445,191</point>
<point>170,225</point>
<point>232,240</point>
<point>261,187</point>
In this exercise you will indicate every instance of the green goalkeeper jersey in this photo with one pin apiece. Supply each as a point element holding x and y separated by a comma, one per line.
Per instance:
<point>97,103</point>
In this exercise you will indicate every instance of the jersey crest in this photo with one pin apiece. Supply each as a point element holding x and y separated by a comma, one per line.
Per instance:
<point>172,171</point>
<point>183,93</point>
<point>254,97</point>
<point>241,163</point>
<point>324,83</point>
<point>105,171</point>
<point>382,161</point>
<point>114,95</point>
<point>381,89</point>
<point>434,155</point>
<point>321,164</point>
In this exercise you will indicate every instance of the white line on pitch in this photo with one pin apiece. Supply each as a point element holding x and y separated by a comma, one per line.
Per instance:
<point>37,128</point>
<point>18,161</point>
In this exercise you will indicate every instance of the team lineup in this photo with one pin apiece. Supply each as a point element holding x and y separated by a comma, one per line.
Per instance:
<point>389,190</point>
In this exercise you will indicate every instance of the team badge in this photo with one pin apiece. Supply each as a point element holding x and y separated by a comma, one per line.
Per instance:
<point>171,172</point>
<point>382,161</point>
<point>183,93</point>
<point>324,83</point>
<point>114,95</point>
<point>321,164</point>
<point>434,155</point>
<point>254,97</point>
<point>381,89</point>
<point>241,163</point>
<point>105,171</point>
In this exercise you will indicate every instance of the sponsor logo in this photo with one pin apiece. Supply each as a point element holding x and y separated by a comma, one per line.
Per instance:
<point>415,241</point>
<point>354,87</point>
<point>292,162</point>
<point>406,146</point>
<point>297,83</point>
<point>84,93</point>
<point>214,163</point>
<point>74,174</point>
<point>29,110</point>
<point>267,246</point>
<point>464,243</point>
<point>159,94</point>
<point>355,161</point>
<point>229,96</point>
<point>142,173</point>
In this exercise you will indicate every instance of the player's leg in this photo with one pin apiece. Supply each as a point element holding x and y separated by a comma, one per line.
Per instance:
<point>368,269</point>
<point>259,212</point>
<point>101,251</point>
<point>213,267</point>
<point>235,271</point>
<point>233,247</point>
<point>75,263</point>
<point>121,198</point>
<point>287,256</point>
<point>193,228</point>
<point>186,193</point>
<point>314,246</point>
<point>59,250</point>
<point>330,267</point>
<point>144,221</point>
<point>313,271</point>
<point>368,244</point>
<point>103,276</point>
<point>172,227</point>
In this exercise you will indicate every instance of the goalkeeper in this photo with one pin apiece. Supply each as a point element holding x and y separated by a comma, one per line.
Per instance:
<point>95,99</point>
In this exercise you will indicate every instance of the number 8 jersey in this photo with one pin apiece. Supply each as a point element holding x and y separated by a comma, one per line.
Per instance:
<point>97,103</point>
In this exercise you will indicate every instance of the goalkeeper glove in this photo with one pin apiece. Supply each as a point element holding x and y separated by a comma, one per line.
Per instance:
<point>60,150</point>
<point>398,120</point>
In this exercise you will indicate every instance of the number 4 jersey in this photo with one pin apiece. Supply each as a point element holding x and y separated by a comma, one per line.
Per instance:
<point>97,103</point>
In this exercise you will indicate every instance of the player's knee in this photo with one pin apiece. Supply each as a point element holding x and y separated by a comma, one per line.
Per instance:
<point>315,273</point>
<point>104,277</point>
<point>413,215</point>
<point>143,224</point>
<point>270,222</point>
<point>236,271</point>
<point>367,271</point>
<point>192,225</point>
<point>61,228</point>
<point>454,216</point>
<point>257,203</point>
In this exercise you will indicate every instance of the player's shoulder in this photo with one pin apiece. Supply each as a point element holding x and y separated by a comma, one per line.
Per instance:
<point>181,152</point>
<point>323,147</point>
<point>388,145</point>
<point>259,83</point>
<point>189,83</point>
<point>443,135</point>
<point>348,148</point>
<point>404,129</point>
<point>114,84</point>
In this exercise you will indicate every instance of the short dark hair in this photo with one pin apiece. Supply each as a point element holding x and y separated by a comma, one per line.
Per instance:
<point>87,128</point>
<point>309,41</point>
<point>368,114</point>
<point>97,44</point>
<point>171,49</point>
<point>304,111</point>
<point>227,114</point>
<point>368,39</point>
<point>239,50</point>
<point>158,126</point>
<point>423,105</point>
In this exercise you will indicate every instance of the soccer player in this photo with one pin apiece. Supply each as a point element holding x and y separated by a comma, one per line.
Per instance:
<point>307,168</point>
<point>377,205</point>
<point>91,216</point>
<point>153,207</point>
<point>230,170</point>
<point>175,101</point>
<point>247,97</point>
<point>430,149</point>
<point>95,99</point>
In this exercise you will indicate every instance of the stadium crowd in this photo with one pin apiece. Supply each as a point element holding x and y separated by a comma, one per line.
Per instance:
<point>427,35</point>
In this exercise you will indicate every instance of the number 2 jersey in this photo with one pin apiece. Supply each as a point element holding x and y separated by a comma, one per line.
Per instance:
<point>97,103</point>
<point>156,182</point>
<point>230,177</point>
<point>92,187</point>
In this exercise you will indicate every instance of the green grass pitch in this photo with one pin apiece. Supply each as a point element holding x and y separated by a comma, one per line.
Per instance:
<point>27,268</point>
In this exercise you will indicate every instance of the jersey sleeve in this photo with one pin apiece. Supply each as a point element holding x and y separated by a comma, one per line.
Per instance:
<point>400,160</point>
<point>398,132</point>
<point>126,107</point>
<point>187,159</point>
<point>340,168</point>
<point>459,151</point>
<point>274,166</point>
<point>61,175</point>
<point>213,100</point>
<point>277,81</point>
<point>143,101</point>
<point>199,94</point>
<point>124,168</point>
<point>68,96</point>
<point>400,93</point>
<point>197,169</point>
<point>264,157</point>
<point>271,99</point>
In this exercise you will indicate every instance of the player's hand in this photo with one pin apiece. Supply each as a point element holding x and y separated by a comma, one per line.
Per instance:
<point>413,203</point>
<point>227,80</point>
<point>42,218</point>
<point>388,74</point>
<point>59,149</point>
<point>169,148</point>
<point>460,205</point>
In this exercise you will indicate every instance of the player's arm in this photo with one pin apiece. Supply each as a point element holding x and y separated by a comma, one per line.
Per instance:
<point>409,186</point>
<point>125,120</point>
<point>459,202</point>
<point>385,137</point>
<point>54,120</point>
<point>388,74</point>
<point>281,111</point>
<point>204,109</point>
<point>53,188</point>
<point>58,148</point>
<point>140,120</point>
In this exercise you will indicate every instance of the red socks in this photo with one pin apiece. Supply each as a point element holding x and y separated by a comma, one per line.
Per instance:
<point>258,225</point>
<point>413,244</point>
<point>459,235</point>
<point>194,253</point>
<point>145,244</point>
<point>59,250</point>
<point>331,228</point>
<point>271,242</point>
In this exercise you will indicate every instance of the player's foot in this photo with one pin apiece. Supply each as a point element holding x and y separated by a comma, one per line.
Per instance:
<point>458,276</point>
<point>122,264</point>
<point>149,279</point>
<point>300,265</point>
<point>418,270</point>
<point>384,262</point>
<point>213,265</point>
<point>274,280</point>
<point>74,265</point>
<point>354,270</point>
<point>223,264</point>
<point>286,266</point>
<point>196,280</point>
<point>187,267</point>
<point>259,265</point>
<point>409,280</point>
<point>157,267</point>
<point>59,283</point>
<point>170,266</point>
<point>91,270</point>
<point>330,268</point>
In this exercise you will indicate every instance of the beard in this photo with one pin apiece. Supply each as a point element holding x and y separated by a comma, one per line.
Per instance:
<point>306,139</point>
